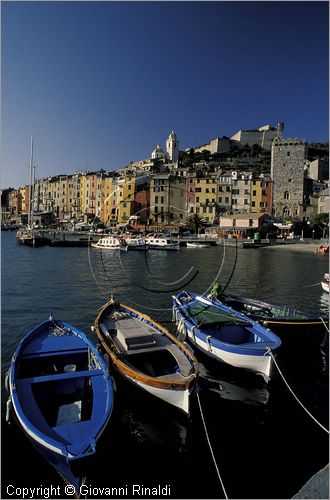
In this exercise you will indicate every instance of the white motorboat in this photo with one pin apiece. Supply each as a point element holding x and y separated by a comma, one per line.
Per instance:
<point>136,244</point>
<point>162,243</point>
<point>108,243</point>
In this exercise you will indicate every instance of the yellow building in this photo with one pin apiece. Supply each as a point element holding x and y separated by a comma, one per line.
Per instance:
<point>126,201</point>
<point>107,199</point>
<point>206,198</point>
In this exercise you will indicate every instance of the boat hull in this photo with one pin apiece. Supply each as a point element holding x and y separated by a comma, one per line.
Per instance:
<point>256,363</point>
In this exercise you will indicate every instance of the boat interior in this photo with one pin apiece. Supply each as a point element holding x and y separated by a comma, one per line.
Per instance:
<point>234,334</point>
<point>220,324</point>
<point>56,390</point>
<point>145,348</point>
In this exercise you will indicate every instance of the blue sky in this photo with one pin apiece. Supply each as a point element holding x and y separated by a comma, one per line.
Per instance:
<point>100,84</point>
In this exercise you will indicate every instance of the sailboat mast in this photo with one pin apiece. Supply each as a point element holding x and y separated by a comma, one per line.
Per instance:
<point>31,180</point>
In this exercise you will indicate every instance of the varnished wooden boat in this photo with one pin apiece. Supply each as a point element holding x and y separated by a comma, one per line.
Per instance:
<point>146,354</point>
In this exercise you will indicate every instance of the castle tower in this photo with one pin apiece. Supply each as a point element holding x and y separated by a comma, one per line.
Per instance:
<point>287,172</point>
<point>172,147</point>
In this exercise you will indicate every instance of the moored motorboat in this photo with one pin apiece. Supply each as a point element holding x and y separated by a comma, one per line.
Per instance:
<point>109,243</point>
<point>136,244</point>
<point>325,282</point>
<point>146,354</point>
<point>162,243</point>
<point>224,334</point>
<point>60,394</point>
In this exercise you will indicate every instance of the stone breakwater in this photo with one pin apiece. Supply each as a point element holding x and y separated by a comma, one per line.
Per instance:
<point>296,247</point>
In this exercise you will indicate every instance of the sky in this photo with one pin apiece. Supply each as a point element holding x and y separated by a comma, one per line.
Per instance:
<point>100,84</point>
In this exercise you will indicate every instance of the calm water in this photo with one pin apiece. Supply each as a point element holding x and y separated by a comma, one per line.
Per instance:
<point>265,445</point>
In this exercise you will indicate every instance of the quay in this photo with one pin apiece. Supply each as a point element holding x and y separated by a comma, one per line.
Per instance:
<point>57,238</point>
<point>317,486</point>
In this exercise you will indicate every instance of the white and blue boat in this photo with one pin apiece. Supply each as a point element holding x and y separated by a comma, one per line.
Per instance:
<point>224,334</point>
<point>60,394</point>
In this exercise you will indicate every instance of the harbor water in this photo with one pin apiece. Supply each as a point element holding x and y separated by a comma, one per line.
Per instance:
<point>265,444</point>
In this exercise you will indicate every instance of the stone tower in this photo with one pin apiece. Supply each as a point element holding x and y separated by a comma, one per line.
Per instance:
<point>172,147</point>
<point>287,172</point>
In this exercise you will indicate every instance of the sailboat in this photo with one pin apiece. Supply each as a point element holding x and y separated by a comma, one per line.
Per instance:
<point>28,235</point>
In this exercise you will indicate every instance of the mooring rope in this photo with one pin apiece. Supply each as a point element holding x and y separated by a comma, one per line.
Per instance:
<point>325,325</point>
<point>315,284</point>
<point>90,265</point>
<point>286,383</point>
<point>210,446</point>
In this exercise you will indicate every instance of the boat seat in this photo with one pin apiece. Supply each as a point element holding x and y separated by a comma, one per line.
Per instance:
<point>69,413</point>
<point>60,376</point>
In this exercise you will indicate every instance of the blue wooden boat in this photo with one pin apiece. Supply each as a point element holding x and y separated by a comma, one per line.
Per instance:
<point>224,334</point>
<point>60,395</point>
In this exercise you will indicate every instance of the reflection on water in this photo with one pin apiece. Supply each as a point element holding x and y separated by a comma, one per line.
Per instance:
<point>245,389</point>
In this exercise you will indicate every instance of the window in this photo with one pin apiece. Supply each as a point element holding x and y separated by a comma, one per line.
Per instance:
<point>286,195</point>
<point>253,204</point>
<point>220,199</point>
<point>246,201</point>
<point>254,192</point>
<point>197,199</point>
<point>162,199</point>
<point>226,200</point>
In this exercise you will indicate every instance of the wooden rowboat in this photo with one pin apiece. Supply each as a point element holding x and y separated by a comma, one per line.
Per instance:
<point>146,354</point>
<point>60,395</point>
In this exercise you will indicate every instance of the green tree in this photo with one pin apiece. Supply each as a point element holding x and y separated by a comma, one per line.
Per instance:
<point>196,222</point>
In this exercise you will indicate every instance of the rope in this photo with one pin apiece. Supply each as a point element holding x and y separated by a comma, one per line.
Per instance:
<point>322,427</point>
<point>211,450</point>
<point>325,326</point>
<point>315,284</point>
<point>91,268</point>
<point>232,272</point>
